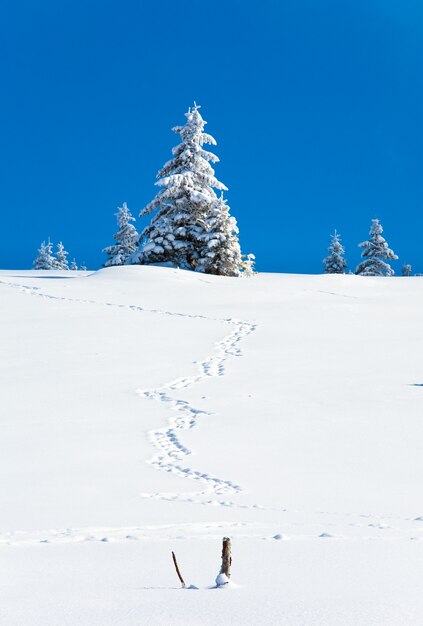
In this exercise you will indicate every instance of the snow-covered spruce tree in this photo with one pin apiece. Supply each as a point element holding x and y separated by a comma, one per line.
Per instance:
<point>248,263</point>
<point>73,265</point>
<point>61,261</point>
<point>335,262</point>
<point>406,269</point>
<point>375,253</point>
<point>187,207</point>
<point>126,238</point>
<point>45,259</point>
<point>220,253</point>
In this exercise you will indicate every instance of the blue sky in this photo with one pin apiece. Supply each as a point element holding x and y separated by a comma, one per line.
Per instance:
<point>316,107</point>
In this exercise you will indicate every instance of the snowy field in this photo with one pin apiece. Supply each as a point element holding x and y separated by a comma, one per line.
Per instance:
<point>145,410</point>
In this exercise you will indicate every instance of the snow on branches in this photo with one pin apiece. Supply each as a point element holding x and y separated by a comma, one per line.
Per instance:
<point>220,253</point>
<point>191,227</point>
<point>126,238</point>
<point>61,261</point>
<point>375,253</point>
<point>335,262</point>
<point>45,259</point>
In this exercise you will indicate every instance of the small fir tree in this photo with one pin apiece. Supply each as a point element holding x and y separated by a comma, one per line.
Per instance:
<point>406,269</point>
<point>83,267</point>
<point>220,253</point>
<point>186,207</point>
<point>73,265</point>
<point>61,261</point>
<point>375,253</point>
<point>45,259</point>
<point>126,238</point>
<point>248,263</point>
<point>335,262</point>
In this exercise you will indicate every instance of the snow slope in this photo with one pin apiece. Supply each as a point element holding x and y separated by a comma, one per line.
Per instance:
<point>146,409</point>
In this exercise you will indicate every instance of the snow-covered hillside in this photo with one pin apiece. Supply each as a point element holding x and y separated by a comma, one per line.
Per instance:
<point>145,409</point>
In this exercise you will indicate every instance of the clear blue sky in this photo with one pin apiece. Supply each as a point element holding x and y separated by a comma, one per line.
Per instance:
<point>316,106</point>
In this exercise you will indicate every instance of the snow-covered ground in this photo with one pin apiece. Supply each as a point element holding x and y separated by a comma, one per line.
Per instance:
<point>146,409</point>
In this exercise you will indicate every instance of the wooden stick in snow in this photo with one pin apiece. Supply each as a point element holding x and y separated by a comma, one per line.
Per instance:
<point>177,570</point>
<point>225,570</point>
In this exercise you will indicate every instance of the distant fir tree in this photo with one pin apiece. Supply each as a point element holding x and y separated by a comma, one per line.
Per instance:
<point>73,265</point>
<point>335,262</point>
<point>406,269</point>
<point>83,267</point>
<point>375,253</point>
<point>126,238</point>
<point>190,220</point>
<point>248,263</point>
<point>220,253</point>
<point>61,261</point>
<point>45,259</point>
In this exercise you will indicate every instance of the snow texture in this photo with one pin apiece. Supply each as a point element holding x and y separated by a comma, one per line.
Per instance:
<point>222,580</point>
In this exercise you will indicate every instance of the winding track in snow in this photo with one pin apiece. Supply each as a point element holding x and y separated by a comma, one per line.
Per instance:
<point>171,452</point>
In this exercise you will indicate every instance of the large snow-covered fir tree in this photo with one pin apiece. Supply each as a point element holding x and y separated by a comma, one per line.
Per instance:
<point>45,259</point>
<point>375,253</point>
<point>220,253</point>
<point>190,223</point>
<point>335,262</point>
<point>126,238</point>
<point>61,261</point>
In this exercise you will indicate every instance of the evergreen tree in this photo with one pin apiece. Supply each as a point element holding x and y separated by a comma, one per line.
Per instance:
<point>406,269</point>
<point>61,261</point>
<point>335,263</point>
<point>248,263</point>
<point>375,253</point>
<point>73,265</point>
<point>185,203</point>
<point>220,253</point>
<point>83,267</point>
<point>45,259</point>
<point>126,238</point>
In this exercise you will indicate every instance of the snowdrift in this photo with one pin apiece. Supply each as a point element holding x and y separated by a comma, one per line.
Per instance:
<point>146,409</point>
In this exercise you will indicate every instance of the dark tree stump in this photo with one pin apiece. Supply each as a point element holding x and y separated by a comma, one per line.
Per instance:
<point>224,575</point>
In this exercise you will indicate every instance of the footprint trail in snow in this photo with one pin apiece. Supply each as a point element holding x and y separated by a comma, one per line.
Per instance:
<point>171,454</point>
<point>167,440</point>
